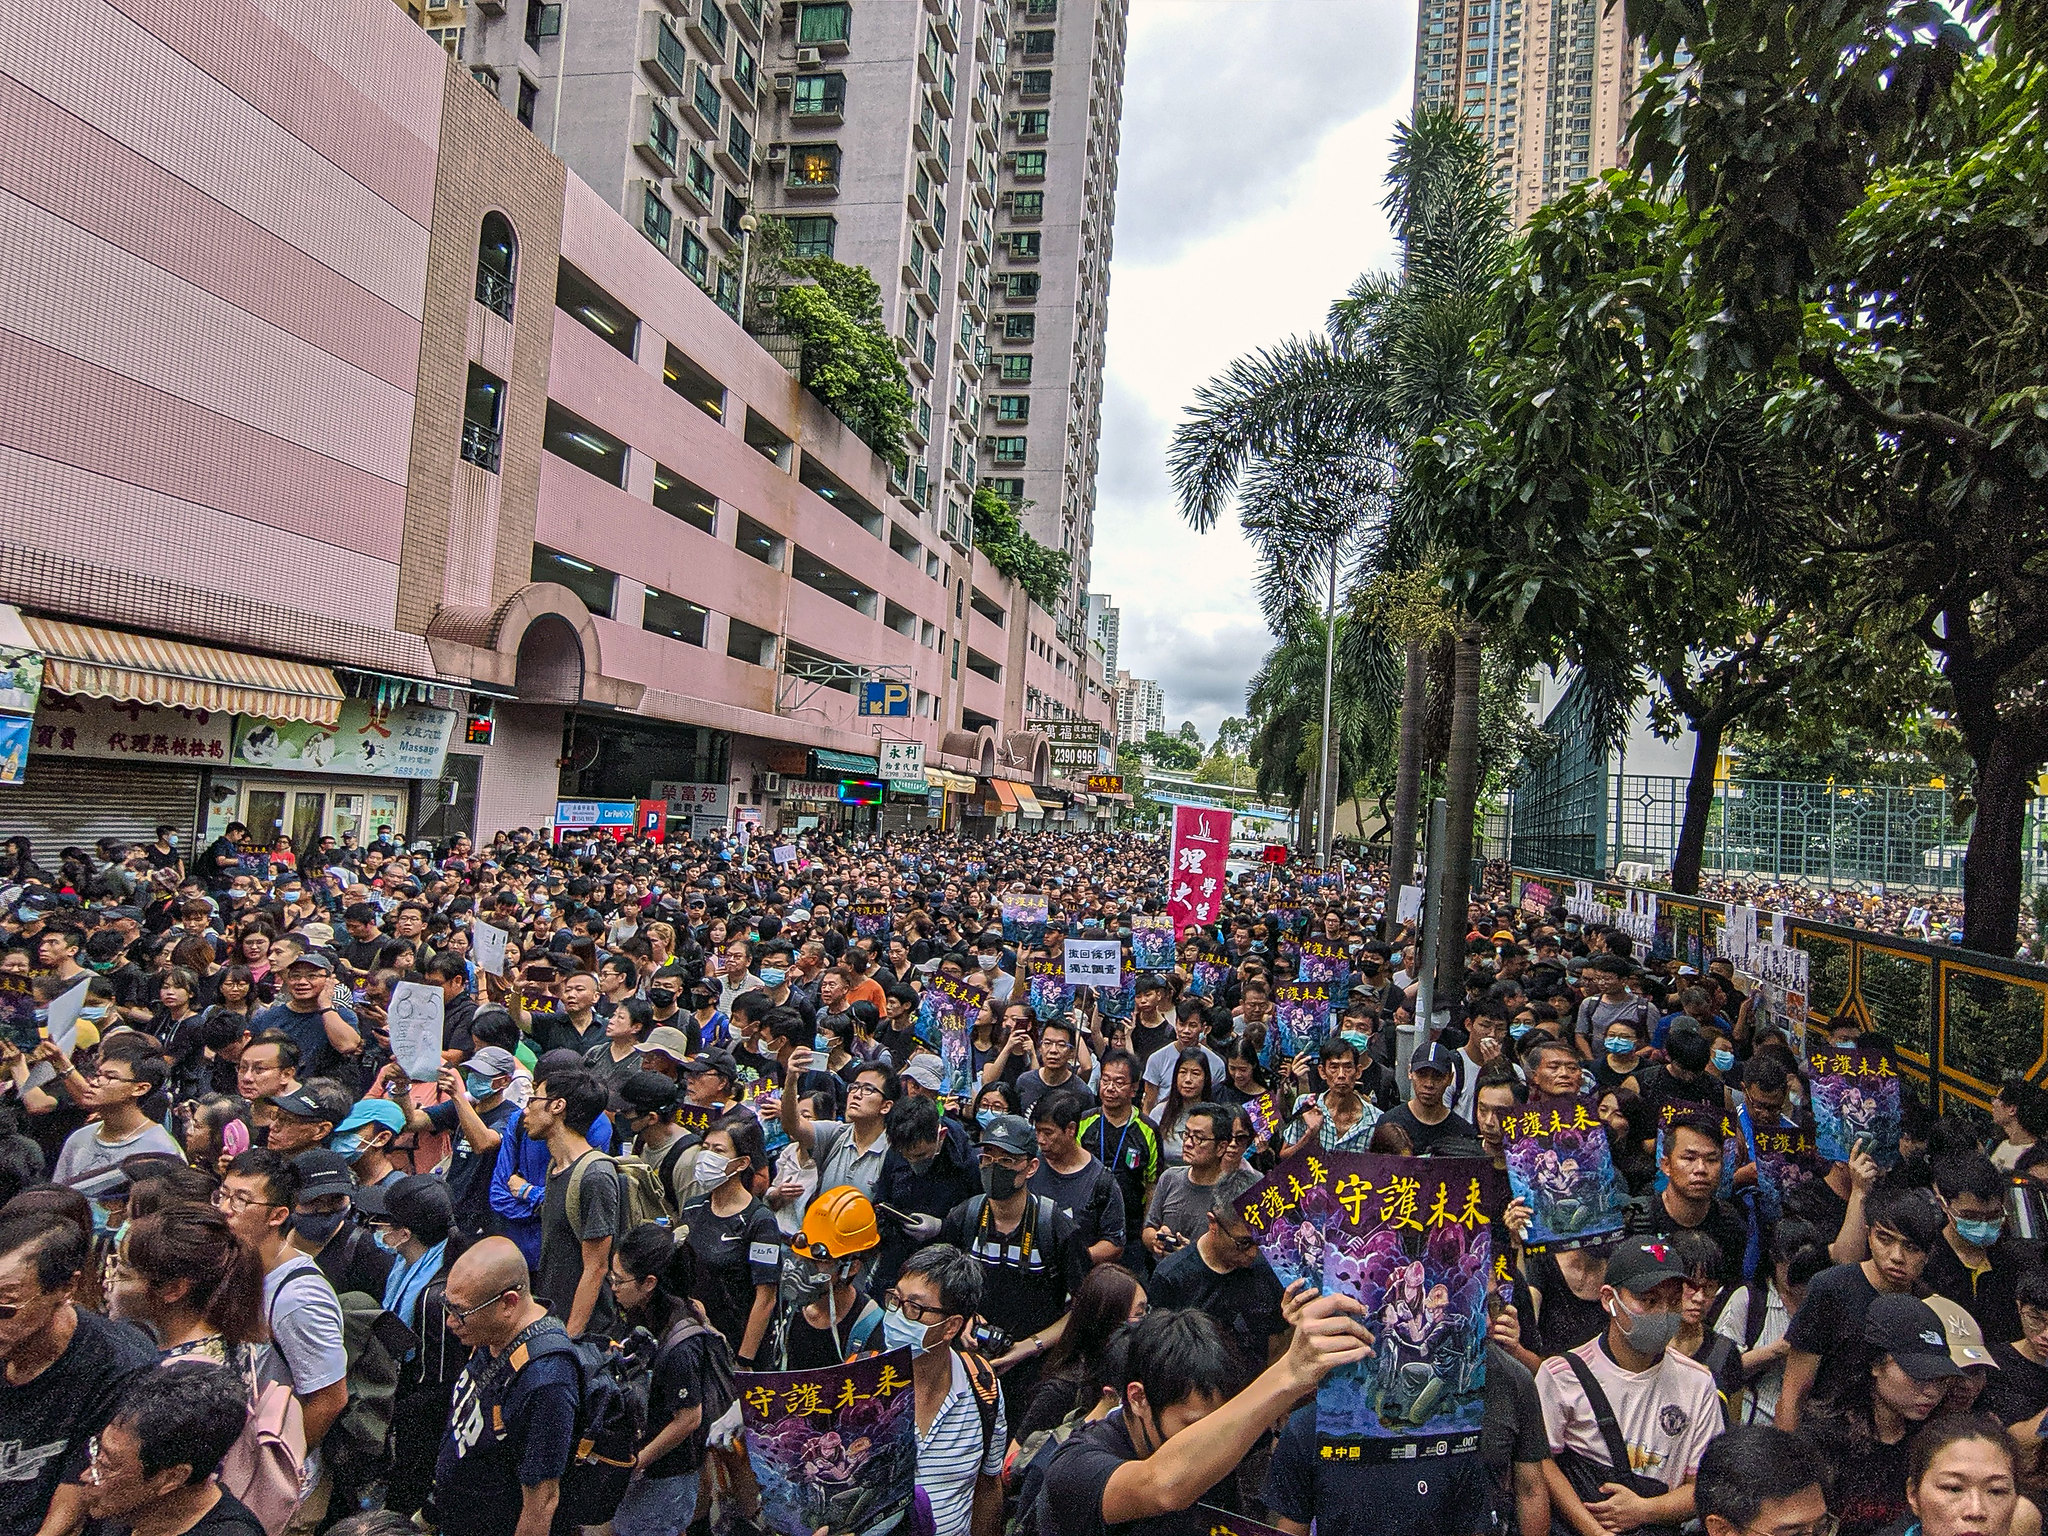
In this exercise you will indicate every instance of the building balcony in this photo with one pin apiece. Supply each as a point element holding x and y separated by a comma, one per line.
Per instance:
<point>480,445</point>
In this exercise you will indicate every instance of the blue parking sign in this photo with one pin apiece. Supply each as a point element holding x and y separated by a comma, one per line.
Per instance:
<point>885,698</point>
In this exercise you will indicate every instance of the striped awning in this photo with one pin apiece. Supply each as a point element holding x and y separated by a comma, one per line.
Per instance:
<point>135,669</point>
<point>1027,803</point>
<point>1005,793</point>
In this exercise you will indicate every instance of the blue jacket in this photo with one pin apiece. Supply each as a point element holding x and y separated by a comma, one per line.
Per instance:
<point>518,1216</point>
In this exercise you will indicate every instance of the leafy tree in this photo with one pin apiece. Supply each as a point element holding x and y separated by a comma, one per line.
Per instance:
<point>1190,734</point>
<point>1172,752</point>
<point>1234,735</point>
<point>999,534</point>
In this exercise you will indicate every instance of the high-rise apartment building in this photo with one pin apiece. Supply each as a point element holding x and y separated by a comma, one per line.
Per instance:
<point>963,151</point>
<point>1105,628</point>
<point>1140,707</point>
<point>1548,84</point>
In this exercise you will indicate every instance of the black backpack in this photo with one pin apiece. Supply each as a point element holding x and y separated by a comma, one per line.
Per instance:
<point>635,1370</point>
<point>607,1440</point>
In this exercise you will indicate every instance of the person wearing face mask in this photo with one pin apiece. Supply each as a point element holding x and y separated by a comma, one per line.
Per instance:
<point>733,1235</point>
<point>364,1137</point>
<point>1660,1402</point>
<point>409,1218</point>
<point>1620,1055</point>
<point>476,1113</point>
<point>962,1430</point>
<point>826,1319</point>
<point>1976,1264</point>
<point>931,1167</point>
<point>325,1231</point>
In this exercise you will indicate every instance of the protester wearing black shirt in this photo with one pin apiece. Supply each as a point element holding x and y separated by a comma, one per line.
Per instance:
<point>156,1455</point>
<point>1975,1263</point>
<point>1447,1496</point>
<point>1425,1117</point>
<point>1223,1274</point>
<point>930,1167</point>
<point>1074,1180</point>
<point>1687,1203</point>
<point>2018,1390</point>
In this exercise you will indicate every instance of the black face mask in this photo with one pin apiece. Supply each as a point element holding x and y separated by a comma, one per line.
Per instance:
<point>661,998</point>
<point>999,1182</point>
<point>318,1229</point>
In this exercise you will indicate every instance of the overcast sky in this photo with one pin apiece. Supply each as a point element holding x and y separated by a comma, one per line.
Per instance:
<point>1254,148</point>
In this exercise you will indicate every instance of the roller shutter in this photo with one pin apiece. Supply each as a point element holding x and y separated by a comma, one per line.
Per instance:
<point>72,801</point>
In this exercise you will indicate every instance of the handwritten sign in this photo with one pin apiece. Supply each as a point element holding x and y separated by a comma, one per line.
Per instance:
<point>487,943</point>
<point>785,853</point>
<point>415,1021</point>
<point>1094,963</point>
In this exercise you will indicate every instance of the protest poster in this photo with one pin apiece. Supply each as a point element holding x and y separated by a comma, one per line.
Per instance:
<point>487,943</point>
<point>1536,899</point>
<point>1785,1159</point>
<point>1289,1208</point>
<point>834,1448</point>
<point>61,1026</point>
<point>1046,987</point>
<point>1301,1017</point>
<point>1408,905</point>
<point>1194,869</point>
<point>696,1119</point>
<point>1118,1002</point>
<point>1413,1241</point>
<point>1093,962</point>
<point>1210,973</point>
<point>1151,941</point>
<point>1286,918</point>
<point>1326,962</point>
<point>1263,1116</point>
<point>785,853</point>
<point>1221,1522</point>
<point>870,919</point>
<point>415,1022</point>
<point>1855,1100</point>
<point>1560,1166</point>
<point>256,865</point>
<point>18,1012</point>
<point>945,1018</point>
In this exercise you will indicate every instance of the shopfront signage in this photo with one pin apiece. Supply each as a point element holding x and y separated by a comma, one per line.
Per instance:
<point>372,740</point>
<point>901,759</point>
<point>67,725</point>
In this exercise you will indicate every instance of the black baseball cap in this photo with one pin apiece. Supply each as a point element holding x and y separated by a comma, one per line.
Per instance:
<point>1433,1058</point>
<point>323,1171</point>
<point>1643,1266</point>
<point>300,1105</point>
<point>1910,1331</point>
<point>418,1202</point>
<point>1011,1134</point>
<point>646,1091</point>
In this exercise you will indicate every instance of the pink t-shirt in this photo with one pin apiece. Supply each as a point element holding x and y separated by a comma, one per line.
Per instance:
<point>1666,1414</point>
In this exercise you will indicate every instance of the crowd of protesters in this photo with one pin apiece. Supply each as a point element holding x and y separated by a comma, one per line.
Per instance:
<point>256,1276</point>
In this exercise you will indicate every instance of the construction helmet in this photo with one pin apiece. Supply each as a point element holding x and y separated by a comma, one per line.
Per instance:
<point>839,1224</point>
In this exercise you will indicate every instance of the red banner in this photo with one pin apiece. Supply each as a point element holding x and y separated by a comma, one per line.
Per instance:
<point>1201,844</point>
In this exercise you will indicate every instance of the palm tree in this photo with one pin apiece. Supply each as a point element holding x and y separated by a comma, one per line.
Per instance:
<point>1398,361</point>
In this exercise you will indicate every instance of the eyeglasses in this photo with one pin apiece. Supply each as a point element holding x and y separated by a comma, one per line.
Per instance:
<point>1196,1139</point>
<point>1826,1525</point>
<point>863,1088</point>
<point>916,1311</point>
<point>464,1316</point>
<point>109,1077</point>
<point>236,1200</point>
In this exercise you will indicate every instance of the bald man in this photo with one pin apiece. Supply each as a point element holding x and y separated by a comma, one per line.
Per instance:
<point>513,1422</point>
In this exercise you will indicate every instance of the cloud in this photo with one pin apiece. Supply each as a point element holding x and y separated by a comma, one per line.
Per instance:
<point>1303,96</point>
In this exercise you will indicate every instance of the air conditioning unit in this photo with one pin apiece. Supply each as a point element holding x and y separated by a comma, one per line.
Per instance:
<point>771,783</point>
<point>809,58</point>
<point>785,82</point>
<point>777,153</point>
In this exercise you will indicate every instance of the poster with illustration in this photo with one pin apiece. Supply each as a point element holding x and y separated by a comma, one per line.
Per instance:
<point>1560,1166</point>
<point>1785,1159</point>
<point>835,1448</point>
<point>870,919</point>
<point>1326,962</point>
<point>1025,915</point>
<point>1221,1522</point>
<point>1413,1241</point>
<point>1301,1017</point>
<point>1290,1207</point>
<point>1210,973</point>
<point>945,1022</point>
<point>1151,941</point>
<point>1046,986</point>
<point>1855,1099</point>
<point>1120,1002</point>
<point>18,1012</point>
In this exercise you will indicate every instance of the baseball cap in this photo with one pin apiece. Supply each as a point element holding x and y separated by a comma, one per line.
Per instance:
<point>1011,1134</point>
<point>667,1040</point>
<point>649,1091</point>
<point>369,1112</point>
<point>1643,1266</point>
<point>323,1172</point>
<point>924,1071</point>
<point>419,1202</point>
<point>493,1061</point>
<point>1965,1338</point>
<point>1433,1058</point>
<point>300,1105</point>
<point>713,1061</point>
<point>314,958</point>
<point>1910,1331</point>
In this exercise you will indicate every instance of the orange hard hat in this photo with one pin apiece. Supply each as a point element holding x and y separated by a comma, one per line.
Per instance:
<point>839,1224</point>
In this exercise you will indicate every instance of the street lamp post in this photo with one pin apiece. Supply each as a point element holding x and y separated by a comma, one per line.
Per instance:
<point>748,224</point>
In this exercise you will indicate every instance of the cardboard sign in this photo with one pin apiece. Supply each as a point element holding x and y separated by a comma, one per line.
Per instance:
<point>487,943</point>
<point>785,853</point>
<point>1094,963</point>
<point>415,1021</point>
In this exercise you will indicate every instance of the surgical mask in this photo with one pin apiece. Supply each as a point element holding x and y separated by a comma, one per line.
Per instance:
<point>348,1148</point>
<point>172,840</point>
<point>986,1116</point>
<point>1619,1045</point>
<point>901,1333</point>
<point>923,1165</point>
<point>479,1087</point>
<point>712,1169</point>
<point>772,975</point>
<point>318,1229</point>
<point>383,1240</point>
<point>1649,1333</point>
<point>999,1182</point>
<point>1723,1060</point>
<point>1516,1031</point>
<point>1980,1234</point>
<point>100,1218</point>
<point>986,962</point>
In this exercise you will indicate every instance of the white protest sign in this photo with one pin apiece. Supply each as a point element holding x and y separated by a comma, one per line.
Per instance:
<point>62,1027</point>
<point>1408,905</point>
<point>1095,963</point>
<point>785,853</point>
<point>415,1022</point>
<point>487,943</point>
<point>1777,928</point>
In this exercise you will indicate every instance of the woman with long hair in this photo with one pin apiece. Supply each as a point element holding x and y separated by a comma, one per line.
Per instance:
<point>236,991</point>
<point>184,1275</point>
<point>1070,1377</point>
<point>252,948</point>
<point>1899,1379</point>
<point>1190,1086</point>
<point>1631,1137</point>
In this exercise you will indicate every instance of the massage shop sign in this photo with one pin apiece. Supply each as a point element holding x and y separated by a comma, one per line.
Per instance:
<point>372,740</point>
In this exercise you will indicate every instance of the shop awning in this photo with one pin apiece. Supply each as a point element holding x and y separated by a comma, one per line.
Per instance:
<point>1005,793</point>
<point>907,787</point>
<point>959,783</point>
<point>830,762</point>
<point>1027,803</point>
<point>135,669</point>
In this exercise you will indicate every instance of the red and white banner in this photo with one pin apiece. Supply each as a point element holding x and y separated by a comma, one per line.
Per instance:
<point>1201,844</point>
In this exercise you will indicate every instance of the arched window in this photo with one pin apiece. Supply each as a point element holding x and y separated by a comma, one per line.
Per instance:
<point>497,262</point>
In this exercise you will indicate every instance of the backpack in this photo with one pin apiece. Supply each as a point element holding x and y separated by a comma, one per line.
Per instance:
<point>636,1372</point>
<point>1024,1473</point>
<point>266,1466</point>
<point>377,1344</point>
<point>641,1196</point>
<point>607,1441</point>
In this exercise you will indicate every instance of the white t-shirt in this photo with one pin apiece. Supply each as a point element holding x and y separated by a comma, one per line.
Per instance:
<point>1160,1067</point>
<point>1666,1414</point>
<point>1758,1403</point>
